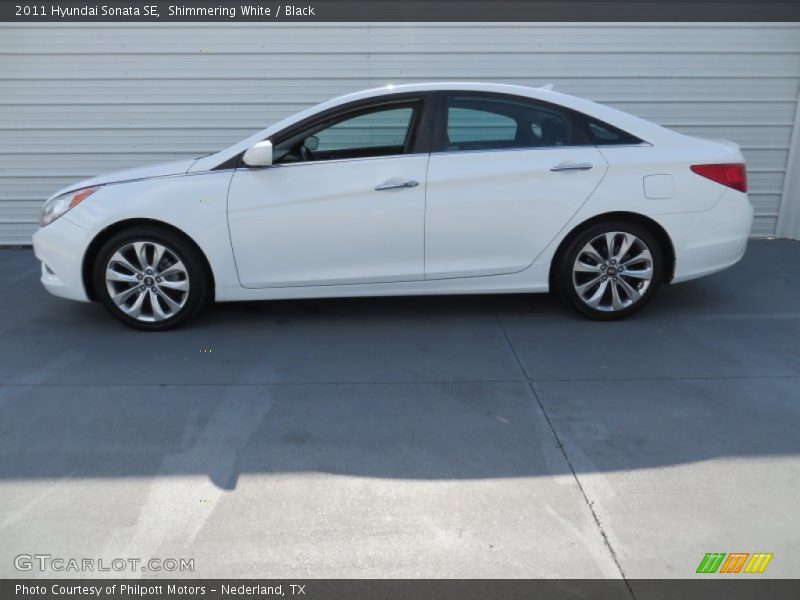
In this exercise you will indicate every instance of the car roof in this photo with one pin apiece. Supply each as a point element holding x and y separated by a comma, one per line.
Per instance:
<point>503,88</point>
<point>545,94</point>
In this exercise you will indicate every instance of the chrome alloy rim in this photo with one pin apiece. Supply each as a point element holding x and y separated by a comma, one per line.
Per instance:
<point>612,271</point>
<point>147,281</point>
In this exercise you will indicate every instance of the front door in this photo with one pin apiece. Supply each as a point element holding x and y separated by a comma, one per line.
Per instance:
<point>344,203</point>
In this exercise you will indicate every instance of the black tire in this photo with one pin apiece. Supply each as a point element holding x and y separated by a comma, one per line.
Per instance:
<point>565,280</point>
<point>195,273</point>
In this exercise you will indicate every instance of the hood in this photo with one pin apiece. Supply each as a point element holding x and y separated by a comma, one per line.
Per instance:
<point>160,170</point>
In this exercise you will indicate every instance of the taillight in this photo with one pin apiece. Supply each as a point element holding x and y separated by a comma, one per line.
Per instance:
<point>733,175</point>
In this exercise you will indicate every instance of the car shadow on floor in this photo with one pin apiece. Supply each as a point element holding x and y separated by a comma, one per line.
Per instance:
<point>449,387</point>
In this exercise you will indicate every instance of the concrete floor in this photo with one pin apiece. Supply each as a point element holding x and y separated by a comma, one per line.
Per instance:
<point>419,437</point>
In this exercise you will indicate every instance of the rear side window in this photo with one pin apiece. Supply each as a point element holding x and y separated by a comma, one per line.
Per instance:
<point>488,123</point>
<point>468,125</point>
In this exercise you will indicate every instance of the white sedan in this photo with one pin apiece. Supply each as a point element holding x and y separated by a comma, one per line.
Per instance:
<point>440,188</point>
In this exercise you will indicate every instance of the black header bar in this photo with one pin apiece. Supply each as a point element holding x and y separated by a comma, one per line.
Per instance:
<point>259,11</point>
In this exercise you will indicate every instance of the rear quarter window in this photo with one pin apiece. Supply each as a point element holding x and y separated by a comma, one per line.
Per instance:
<point>603,134</point>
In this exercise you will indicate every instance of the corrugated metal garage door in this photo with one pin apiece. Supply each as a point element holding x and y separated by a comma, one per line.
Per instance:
<point>78,100</point>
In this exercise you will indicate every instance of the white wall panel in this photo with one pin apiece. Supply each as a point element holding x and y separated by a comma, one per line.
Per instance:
<point>78,100</point>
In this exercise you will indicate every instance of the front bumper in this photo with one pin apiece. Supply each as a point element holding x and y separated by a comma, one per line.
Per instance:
<point>60,248</point>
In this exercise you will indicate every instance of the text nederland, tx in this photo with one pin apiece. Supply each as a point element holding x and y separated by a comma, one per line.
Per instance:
<point>245,10</point>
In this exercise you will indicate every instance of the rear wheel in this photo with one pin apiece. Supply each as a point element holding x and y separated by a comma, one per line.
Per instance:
<point>611,270</point>
<point>150,279</point>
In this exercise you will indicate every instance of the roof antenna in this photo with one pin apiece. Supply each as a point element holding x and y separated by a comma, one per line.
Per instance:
<point>547,87</point>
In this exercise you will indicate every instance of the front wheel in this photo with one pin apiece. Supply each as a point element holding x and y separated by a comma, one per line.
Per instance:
<point>150,279</point>
<point>610,270</point>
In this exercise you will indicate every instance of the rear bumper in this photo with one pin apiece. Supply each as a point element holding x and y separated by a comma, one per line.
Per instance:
<point>60,248</point>
<point>710,241</point>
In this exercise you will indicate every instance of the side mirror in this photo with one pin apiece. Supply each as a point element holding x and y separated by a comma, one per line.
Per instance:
<point>259,155</point>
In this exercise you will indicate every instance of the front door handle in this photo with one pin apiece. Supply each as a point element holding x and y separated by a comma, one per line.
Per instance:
<point>393,184</point>
<point>571,166</point>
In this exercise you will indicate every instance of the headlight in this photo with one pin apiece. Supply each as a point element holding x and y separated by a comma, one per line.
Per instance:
<point>61,204</point>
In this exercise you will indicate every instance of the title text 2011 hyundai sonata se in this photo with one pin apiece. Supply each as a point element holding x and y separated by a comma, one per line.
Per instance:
<point>440,188</point>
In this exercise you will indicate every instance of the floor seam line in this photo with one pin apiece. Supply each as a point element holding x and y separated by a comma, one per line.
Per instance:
<point>589,505</point>
<point>525,379</point>
<point>262,384</point>
<point>585,496</point>
<point>677,378</point>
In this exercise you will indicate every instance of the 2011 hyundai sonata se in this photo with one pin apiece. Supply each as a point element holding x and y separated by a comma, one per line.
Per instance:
<point>441,188</point>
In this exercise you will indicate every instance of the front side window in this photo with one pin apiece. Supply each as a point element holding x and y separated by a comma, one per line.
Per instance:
<point>488,123</point>
<point>377,131</point>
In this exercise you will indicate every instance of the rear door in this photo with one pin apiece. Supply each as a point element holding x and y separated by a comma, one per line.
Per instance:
<point>506,175</point>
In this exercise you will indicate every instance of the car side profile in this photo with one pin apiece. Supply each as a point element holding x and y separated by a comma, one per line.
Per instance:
<point>439,188</point>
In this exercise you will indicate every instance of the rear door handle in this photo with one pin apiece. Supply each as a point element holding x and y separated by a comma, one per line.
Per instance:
<point>393,184</point>
<point>571,166</point>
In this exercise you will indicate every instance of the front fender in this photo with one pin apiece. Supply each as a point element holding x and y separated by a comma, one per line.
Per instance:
<point>194,203</point>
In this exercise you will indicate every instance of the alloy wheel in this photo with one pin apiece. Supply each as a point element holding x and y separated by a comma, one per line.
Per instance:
<point>147,281</point>
<point>612,271</point>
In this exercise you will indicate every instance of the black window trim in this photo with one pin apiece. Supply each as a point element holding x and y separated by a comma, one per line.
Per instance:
<point>429,125</point>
